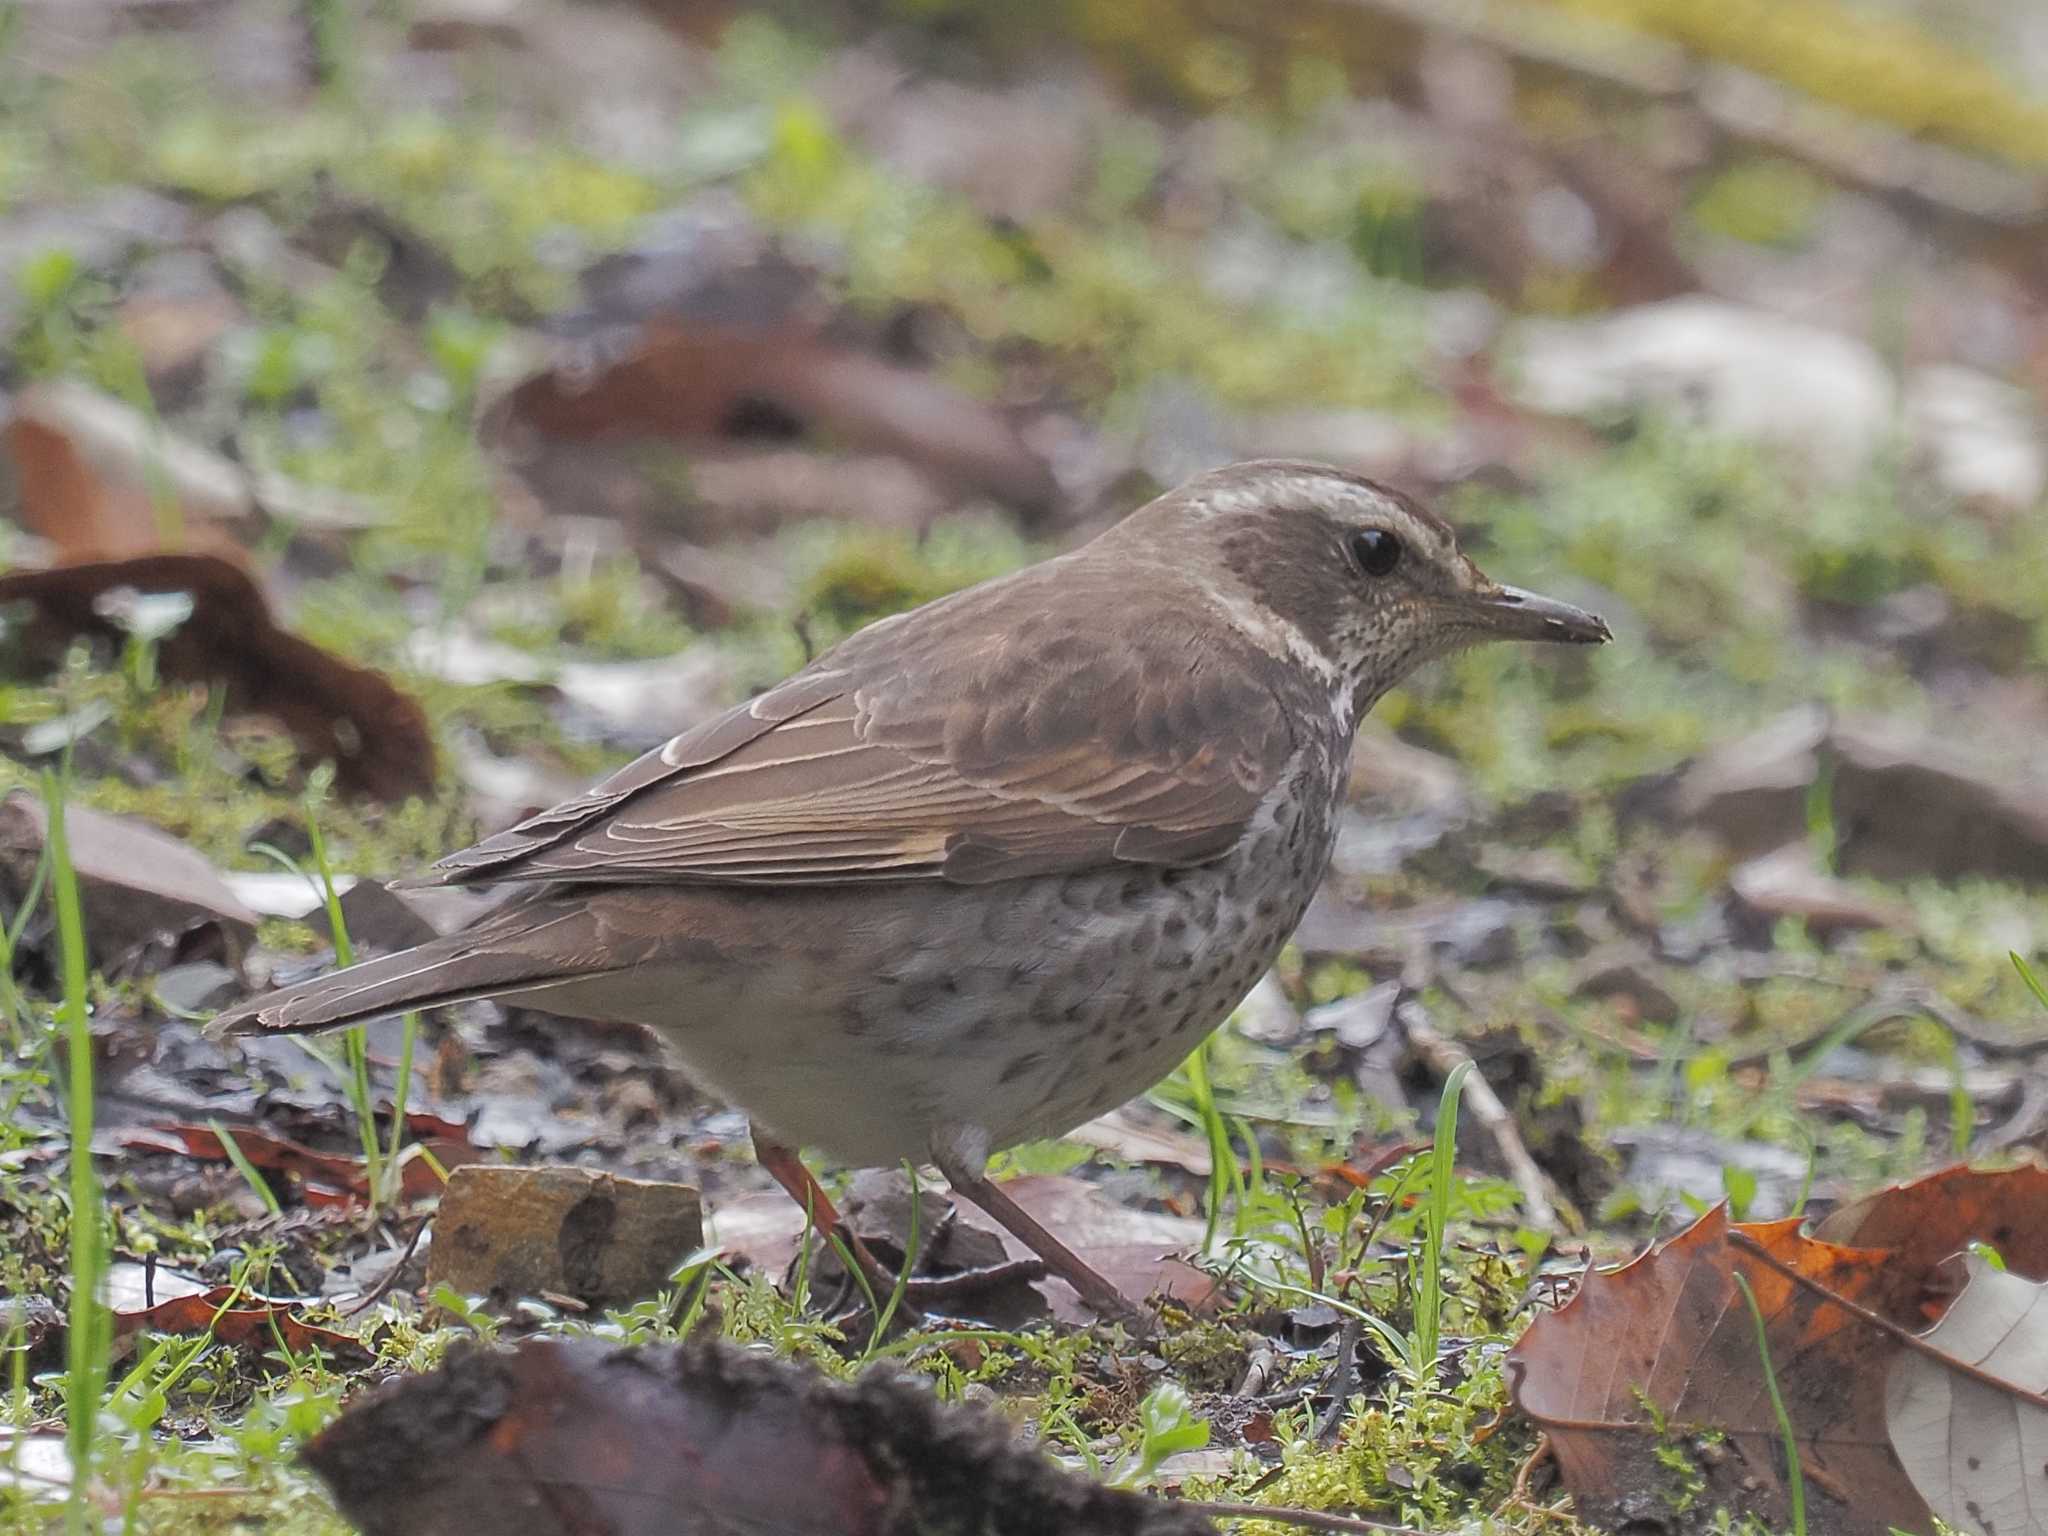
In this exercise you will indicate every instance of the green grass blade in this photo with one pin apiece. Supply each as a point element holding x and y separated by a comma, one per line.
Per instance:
<point>1794,1472</point>
<point>1436,1220</point>
<point>88,1338</point>
<point>2034,984</point>
<point>355,1040</point>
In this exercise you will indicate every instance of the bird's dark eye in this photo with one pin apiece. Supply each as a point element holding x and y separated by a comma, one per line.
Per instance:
<point>1375,551</point>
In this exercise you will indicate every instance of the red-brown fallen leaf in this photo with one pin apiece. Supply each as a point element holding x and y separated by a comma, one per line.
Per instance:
<point>376,737</point>
<point>697,380</point>
<point>99,483</point>
<point>1668,1337</point>
<point>1667,1340</point>
<point>1927,1220</point>
<point>236,1317</point>
<point>583,1439</point>
<point>324,1178</point>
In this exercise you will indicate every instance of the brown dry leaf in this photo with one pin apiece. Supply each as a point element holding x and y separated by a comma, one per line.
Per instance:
<point>352,716</point>
<point>1928,1220</point>
<point>130,508</point>
<point>1979,1451</point>
<point>1127,1134</point>
<point>1668,1339</point>
<point>99,480</point>
<point>678,380</point>
<point>1135,1250</point>
<point>237,1317</point>
<point>140,1297</point>
<point>701,1440</point>
<point>139,883</point>
<point>1909,803</point>
<point>174,332</point>
<point>324,1178</point>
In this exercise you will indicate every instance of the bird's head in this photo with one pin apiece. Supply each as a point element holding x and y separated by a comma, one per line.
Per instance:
<point>1345,577</point>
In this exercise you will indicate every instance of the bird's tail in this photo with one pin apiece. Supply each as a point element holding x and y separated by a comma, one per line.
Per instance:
<point>527,947</point>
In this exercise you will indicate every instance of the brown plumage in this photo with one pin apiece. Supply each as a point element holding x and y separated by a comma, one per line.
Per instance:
<point>988,867</point>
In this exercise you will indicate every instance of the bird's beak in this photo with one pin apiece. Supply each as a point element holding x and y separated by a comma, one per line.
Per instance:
<point>1512,614</point>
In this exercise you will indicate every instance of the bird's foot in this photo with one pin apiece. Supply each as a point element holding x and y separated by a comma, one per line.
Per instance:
<point>970,1179</point>
<point>787,1169</point>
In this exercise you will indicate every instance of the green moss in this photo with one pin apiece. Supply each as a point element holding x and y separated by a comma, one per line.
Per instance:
<point>851,577</point>
<point>1407,1459</point>
<point>1114,307</point>
<point>1882,66</point>
<point>1762,201</point>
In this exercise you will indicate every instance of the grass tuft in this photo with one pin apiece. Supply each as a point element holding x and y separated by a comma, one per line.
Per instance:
<point>90,1337</point>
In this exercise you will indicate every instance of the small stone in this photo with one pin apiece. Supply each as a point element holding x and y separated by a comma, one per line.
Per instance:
<point>574,1232</point>
<point>1904,802</point>
<point>1787,883</point>
<point>632,1101</point>
<point>1360,1019</point>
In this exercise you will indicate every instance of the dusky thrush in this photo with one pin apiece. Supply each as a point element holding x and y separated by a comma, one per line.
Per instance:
<point>987,868</point>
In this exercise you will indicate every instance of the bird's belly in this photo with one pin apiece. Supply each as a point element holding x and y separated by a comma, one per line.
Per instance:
<point>1021,1008</point>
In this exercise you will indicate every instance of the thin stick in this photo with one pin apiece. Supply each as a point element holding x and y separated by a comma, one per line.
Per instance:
<point>1445,1054</point>
<point>376,1292</point>
<point>1312,1519</point>
<point>1342,1379</point>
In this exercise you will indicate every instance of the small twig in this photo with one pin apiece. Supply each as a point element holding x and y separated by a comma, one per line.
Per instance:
<point>2024,1123</point>
<point>1313,1519</point>
<point>1257,1372</point>
<point>1885,1325</point>
<point>1520,1492</point>
<point>1444,1055</point>
<point>377,1292</point>
<point>1342,1379</point>
<point>1883,1005</point>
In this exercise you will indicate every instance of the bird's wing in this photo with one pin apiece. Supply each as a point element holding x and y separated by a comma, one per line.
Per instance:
<point>968,743</point>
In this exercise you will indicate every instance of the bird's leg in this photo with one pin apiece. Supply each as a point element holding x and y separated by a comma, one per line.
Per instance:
<point>962,1157</point>
<point>787,1169</point>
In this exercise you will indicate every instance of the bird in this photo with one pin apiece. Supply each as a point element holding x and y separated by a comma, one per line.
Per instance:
<point>986,868</point>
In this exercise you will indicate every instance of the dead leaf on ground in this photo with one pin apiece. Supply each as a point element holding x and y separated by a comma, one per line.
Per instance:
<point>139,884</point>
<point>1791,883</point>
<point>1904,803</point>
<point>1925,1221</point>
<point>100,480</point>
<point>678,380</point>
<point>164,1301</point>
<point>1668,1340</point>
<point>1127,1133</point>
<point>338,712</point>
<point>323,1178</point>
<point>1664,1349</point>
<point>133,511</point>
<point>1974,1444</point>
<point>1135,1250</point>
<point>582,1437</point>
<point>174,331</point>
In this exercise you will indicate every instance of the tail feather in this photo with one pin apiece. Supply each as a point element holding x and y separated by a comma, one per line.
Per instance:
<point>521,949</point>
